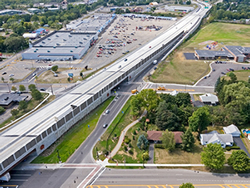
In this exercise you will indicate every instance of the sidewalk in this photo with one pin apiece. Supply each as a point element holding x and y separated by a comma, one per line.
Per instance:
<point>123,133</point>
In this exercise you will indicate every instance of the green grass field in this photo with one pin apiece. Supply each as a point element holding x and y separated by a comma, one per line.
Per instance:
<point>176,69</point>
<point>69,142</point>
<point>240,74</point>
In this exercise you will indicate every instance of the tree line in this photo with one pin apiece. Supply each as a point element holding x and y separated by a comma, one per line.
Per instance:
<point>228,10</point>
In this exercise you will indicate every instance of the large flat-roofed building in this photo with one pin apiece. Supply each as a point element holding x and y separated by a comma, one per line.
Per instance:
<point>69,45</point>
<point>238,53</point>
<point>10,12</point>
<point>60,45</point>
<point>179,8</point>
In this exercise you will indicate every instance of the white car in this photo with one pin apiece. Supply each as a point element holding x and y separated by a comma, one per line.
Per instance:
<point>11,75</point>
<point>105,125</point>
<point>107,111</point>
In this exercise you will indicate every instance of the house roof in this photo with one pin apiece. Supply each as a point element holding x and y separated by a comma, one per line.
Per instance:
<point>222,138</point>
<point>156,136</point>
<point>231,129</point>
<point>208,97</point>
<point>6,98</point>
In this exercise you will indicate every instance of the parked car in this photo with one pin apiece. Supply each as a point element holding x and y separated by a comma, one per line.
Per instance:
<point>11,75</point>
<point>4,73</point>
<point>231,69</point>
<point>223,73</point>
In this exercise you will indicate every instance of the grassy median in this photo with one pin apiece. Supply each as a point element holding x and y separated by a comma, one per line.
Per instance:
<point>70,141</point>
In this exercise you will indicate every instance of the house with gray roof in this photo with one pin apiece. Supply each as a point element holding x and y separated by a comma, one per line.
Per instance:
<point>209,99</point>
<point>214,137</point>
<point>233,130</point>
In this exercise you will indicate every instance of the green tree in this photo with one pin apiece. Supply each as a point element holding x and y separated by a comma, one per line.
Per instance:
<point>233,77</point>
<point>239,161</point>
<point>183,99</point>
<point>81,74</point>
<point>32,87</point>
<point>13,88</point>
<point>213,156</point>
<point>199,120</point>
<point>136,105</point>
<point>22,105</point>
<point>186,185</point>
<point>22,88</point>
<point>168,140</point>
<point>3,79</point>
<point>149,99</point>
<point>2,110</point>
<point>145,156</point>
<point>142,142</point>
<point>12,80</point>
<point>165,118</point>
<point>14,112</point>
<point>54,68</point>
<point>187,140</point>
<point>36,94</point>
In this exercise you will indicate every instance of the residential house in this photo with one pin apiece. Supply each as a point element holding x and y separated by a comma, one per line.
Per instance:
<point>233,130</point>
<point>214,137</point>
<point>155,136</point>
<point>209,99</point>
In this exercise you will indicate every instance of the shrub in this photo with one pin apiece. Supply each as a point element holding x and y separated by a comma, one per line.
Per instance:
<point>125,148</point>
<point>138,129</point>
<point>235,147</point>
<point>133,137</point>
<point>130,145</point>
<point>2,110</point>
<point>131,152</point>
<point>134,132</point>
<point>126,140</point>
<point>106,152</point>
<point>159,146</point>
<point>228,148</point>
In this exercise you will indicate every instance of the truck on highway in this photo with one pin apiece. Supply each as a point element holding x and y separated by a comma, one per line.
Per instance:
<point>134,91</point>
<point>5,178</point>
<point>155,62</point>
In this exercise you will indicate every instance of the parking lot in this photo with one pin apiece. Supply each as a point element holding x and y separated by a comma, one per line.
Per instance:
<point>123,36</point>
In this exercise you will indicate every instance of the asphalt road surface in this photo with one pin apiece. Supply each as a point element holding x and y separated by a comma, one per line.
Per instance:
<point>210,81</point>
<point>63,178</point>
<point>166,176</point>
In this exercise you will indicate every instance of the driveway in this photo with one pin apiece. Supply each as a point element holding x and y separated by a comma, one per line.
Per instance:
<point>151,153</point>
<point>238,142</point>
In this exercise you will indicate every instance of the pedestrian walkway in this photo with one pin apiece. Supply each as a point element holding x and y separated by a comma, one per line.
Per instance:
<point>123,133</point>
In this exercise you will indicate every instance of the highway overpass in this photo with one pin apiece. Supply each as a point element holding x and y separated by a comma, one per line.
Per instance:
<point>42,128</point>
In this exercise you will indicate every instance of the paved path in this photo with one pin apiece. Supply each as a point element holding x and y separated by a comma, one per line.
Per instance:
<point>123,133</point>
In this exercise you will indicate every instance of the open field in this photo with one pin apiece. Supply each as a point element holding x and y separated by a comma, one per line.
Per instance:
<point>116,127</point>
<point>176,69</point>
<point>69,142</point>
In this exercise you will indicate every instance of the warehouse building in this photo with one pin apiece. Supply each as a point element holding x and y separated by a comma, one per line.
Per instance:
<point>69,45</point>
<point>179,8</point>
<point>237,53</point>
<point>61,45</point>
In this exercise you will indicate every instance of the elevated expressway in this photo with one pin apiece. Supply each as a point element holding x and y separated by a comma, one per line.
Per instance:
<point>42,128</point>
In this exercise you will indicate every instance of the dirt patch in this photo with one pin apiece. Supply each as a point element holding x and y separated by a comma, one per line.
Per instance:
<point>127,154</point>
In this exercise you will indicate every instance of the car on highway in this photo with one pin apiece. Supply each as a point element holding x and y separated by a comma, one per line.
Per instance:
<point>4,73</point>
<point>125,59</point>
<point>42,89</point>
<point>107,111</point>
<point>231,69</point>
<point>34,74</point>
<point>205,77</point>
<point>213,69</point>
<point>223,73</point>
<point>105,125</point>
<point>11,75</point>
